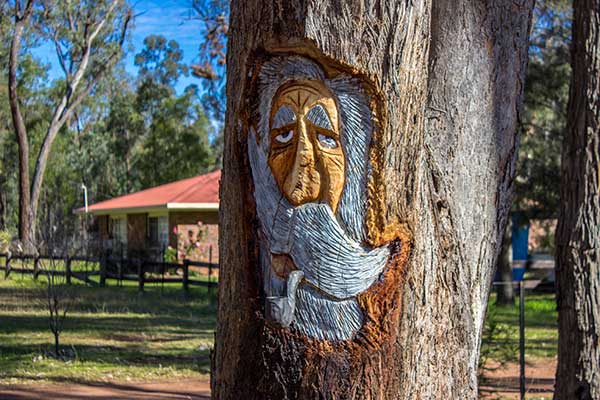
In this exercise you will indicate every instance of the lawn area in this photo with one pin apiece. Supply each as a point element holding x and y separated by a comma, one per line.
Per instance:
<point>541,327</point>
<point>111,333</point>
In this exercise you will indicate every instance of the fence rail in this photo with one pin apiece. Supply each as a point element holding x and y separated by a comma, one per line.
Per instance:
<point>120,269</point>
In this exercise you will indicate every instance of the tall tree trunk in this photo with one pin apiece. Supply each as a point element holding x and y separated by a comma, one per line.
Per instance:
<point>505,293</point>
<point>578,232</point>
<point>437,89</point>
<point>25,217</point>
<point>3,201</point>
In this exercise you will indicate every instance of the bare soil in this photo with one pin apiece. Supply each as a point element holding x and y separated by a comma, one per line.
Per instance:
<point>503,382</point>
<point>178,390</point>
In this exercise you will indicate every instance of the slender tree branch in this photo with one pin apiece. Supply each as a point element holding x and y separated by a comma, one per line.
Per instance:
<point>59,54</point>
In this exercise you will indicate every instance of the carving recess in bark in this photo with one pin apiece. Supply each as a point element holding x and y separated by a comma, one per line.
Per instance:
<point>309,153</point>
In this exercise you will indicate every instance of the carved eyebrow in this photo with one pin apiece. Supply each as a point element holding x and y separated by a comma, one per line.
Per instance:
<point>318,116</point>
<point>283,117</point>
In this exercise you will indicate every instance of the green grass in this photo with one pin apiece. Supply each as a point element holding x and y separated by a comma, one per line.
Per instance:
<point>541,328</point>
<point>111,333</point>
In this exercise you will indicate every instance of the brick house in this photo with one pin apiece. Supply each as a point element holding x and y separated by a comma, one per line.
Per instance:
<point>183,215</point>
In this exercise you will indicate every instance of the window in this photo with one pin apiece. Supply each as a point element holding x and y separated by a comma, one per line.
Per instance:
<point>158,231</point>
<point>163,231</point>
<point>153,230</point>
<point>119,229</point>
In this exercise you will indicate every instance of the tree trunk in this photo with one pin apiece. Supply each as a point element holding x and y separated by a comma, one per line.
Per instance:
<point>578,233</point>
<point>20,130</point>
<point>3,201</point>
<point>505,294</point>
<point>57,345</point>
<point>423,99</point>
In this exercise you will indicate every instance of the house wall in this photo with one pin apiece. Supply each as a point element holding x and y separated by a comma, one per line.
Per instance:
<point>210,220</point>
<point>136,232</point>
<point>103,232</point>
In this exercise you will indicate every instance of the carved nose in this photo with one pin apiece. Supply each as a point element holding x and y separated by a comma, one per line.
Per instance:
<point>303,180</point>
<point>305,151</point>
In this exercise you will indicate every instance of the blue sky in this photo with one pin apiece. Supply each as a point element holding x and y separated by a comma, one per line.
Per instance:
<point>169,18</point>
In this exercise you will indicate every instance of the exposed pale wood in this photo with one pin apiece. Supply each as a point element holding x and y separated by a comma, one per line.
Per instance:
<point>447,82</point>
<point>578,230</point>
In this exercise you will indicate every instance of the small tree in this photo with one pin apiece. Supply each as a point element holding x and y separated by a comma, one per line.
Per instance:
<point>59,299</point>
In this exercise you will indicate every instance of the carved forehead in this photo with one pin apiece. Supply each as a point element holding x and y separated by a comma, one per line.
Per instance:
<point>311,98</point>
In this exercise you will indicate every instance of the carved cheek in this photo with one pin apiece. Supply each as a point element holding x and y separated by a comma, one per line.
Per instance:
<point>332,166</point>
<point>281,163</point>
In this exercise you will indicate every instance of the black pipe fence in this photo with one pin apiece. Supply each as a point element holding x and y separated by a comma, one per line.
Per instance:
<point>107,267</point>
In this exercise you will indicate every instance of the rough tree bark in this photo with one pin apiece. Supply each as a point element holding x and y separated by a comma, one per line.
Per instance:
<point>21,19</point>
<point>445,80</point>
<point>578,231</point>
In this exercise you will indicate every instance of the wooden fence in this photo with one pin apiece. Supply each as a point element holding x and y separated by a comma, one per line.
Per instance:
<point>121,269</point>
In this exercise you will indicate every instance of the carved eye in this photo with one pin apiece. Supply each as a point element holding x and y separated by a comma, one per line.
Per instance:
<point>285,137</point>
<point>327,141</point>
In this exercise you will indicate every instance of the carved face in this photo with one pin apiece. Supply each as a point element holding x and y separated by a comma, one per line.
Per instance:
<point>305,153</point>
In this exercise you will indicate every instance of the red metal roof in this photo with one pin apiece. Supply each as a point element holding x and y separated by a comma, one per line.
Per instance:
<point>199,189</point>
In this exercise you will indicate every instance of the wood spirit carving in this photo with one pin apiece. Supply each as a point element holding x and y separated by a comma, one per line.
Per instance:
<point>309,154</point>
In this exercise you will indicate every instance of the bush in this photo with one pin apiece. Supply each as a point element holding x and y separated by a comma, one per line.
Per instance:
<point>5,239</point>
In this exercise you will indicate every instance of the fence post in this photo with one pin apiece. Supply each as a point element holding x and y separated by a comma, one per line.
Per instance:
<point>522,339</point>
<point>141,276</point>
<point>68,270</point>
<point>186,275</point>
<point>210,270</point>
<point>7,271</point>
<point>36,267</point>
<point>103,264</point>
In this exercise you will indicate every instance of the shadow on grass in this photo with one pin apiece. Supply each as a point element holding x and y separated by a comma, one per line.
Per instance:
<point>108,325</point>
<point>118,326</point>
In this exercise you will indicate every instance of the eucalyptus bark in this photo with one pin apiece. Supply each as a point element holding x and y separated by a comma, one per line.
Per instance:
<point>25,217</point>
<point>578,231</point>
<point>447,79</point>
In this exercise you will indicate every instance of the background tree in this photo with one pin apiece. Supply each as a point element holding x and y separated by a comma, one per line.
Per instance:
<point>88,41</point>
<point>210,67</point>
<point>544,122</point>
<point>578,233</point>
<point>446,149</point>
<point>178,144</point>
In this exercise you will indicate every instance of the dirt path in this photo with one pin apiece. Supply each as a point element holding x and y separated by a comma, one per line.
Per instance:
<point>499,384</point>
<point>196,390</point>
<point>504,383</point>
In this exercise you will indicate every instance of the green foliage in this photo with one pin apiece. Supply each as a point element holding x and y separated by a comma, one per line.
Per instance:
<point>5,239</point>
<point>178,146</point>
<point>544,122</point>
<point>211,66</point>
<point>171,255</point>
<point>160,61</point>
<point>130,135</point>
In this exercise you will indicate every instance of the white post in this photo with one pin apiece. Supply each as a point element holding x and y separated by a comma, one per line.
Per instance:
<point>85,197</point>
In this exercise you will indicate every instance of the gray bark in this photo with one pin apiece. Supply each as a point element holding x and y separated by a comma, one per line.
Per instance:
<point>448,79</point>
<point>578,231</point>
<point>21,18</point>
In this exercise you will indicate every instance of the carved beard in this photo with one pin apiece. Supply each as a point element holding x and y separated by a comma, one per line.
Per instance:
<point>321,228</point>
